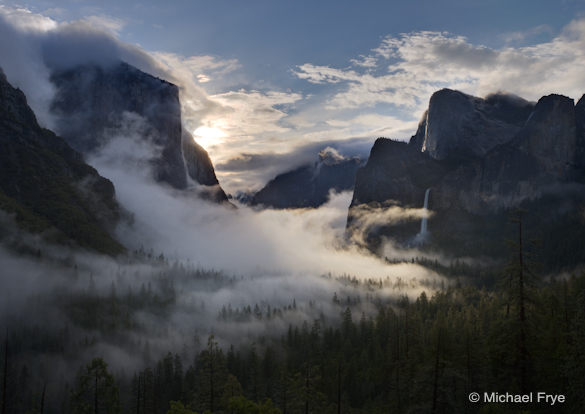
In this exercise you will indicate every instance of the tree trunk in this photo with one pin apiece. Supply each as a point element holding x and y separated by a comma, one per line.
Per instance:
<point>436,374</point>
<point>522,351</point>
<point>307,392</point>
<point>5,375</point>
<point>138,395</point>
<point>338,388</point>
<point>398,396</point>
<point>43,397</point>
<point>95,394</point>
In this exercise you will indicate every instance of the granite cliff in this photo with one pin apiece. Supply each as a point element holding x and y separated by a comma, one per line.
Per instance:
<point>483,159</point>
<point>91,102</point>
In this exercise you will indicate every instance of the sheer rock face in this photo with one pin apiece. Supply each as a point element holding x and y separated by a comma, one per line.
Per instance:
<point>309,185</point>
<point>197,161</point>
<point>200,169</point>
<point>90,105</point>
<point>482,159</point>
<point>396,172</point>
<point>550,135</point>
<point>46,184</point>
<point>580,134</point>
<point>457,125</point>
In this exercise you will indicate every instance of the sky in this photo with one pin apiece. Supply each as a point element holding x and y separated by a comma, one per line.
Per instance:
<point>266,84</point>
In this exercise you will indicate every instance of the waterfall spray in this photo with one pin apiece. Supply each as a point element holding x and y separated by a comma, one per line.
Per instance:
<point>423,223</point>
<point>422,235</point>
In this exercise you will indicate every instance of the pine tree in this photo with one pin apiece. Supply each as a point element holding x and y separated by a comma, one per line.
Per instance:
<point>95,391</point>
<point>212,375</point>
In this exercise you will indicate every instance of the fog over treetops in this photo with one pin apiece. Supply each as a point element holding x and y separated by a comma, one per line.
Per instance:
<point>381,228</point>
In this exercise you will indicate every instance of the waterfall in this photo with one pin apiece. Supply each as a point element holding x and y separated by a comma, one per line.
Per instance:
<point>423,223</point>
<point>422,235</point>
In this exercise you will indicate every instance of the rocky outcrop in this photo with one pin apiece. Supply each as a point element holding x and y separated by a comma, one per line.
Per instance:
<point>549,135</point>
<point>580,133</point>
<point>396,172</point>
<point>46,184</point>
<point>483,159</point>
<point>309,185</point>
<point>90,107</point>
<point>200,169</point>
<point>90,103</point>
<point>457,125</point>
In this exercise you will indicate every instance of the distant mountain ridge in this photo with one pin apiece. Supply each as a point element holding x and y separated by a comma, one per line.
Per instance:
<point>47,186</point>
<point>309,185</point>
<point>91,101</point>
<point>483,159</point>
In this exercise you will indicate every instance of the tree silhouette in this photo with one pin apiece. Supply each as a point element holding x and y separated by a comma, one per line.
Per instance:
<point>95,391</point>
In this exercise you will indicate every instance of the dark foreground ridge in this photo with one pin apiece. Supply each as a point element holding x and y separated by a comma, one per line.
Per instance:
<point>46,184</point>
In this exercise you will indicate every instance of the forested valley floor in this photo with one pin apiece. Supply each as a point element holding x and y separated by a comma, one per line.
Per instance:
<point>362,353</point>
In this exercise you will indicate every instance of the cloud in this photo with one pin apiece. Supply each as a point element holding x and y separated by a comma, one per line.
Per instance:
<point>21,59</point>
<point>254,112</point>
<point>253,117</point>
<point>27,21</point>
<point>365,61</point>
<point>265,255</point>
<point>232,122</point>
<point>331,155</point>
<point>521,36</point>
<point>202,68</point>
<point>366,217</point>
<point>245,121</point>
<point>251,171</point>
<point>417,64</point>
<point>242,241</point>
<point>108,23</point>
<point>383,92</point>
<point>33,45</point>
<point>376,125</point>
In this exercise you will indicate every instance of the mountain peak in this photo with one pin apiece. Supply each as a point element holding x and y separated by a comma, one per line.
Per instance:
<point>91,101</point>
<point>482,158</point>
<point>550,134</point>
<point>457,125</point>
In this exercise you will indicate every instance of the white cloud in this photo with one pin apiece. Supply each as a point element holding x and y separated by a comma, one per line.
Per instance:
<point>520,36</point>
<point>422,62</point>
<point>202,68</point>
<point>365,61</point>
<point>382,93</point>
<point>243,120</point>
<point>254,111</point>
<point>201,78</point>
<point>376,125</point>
<point>26,21</point>
<point>251,121</point>
<point>108,23</point>
<point>243,241</point>
<point>230,122</point>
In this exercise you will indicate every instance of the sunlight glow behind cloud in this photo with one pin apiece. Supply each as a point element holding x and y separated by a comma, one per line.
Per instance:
<point>379,92</point>
<point>208,137</point>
